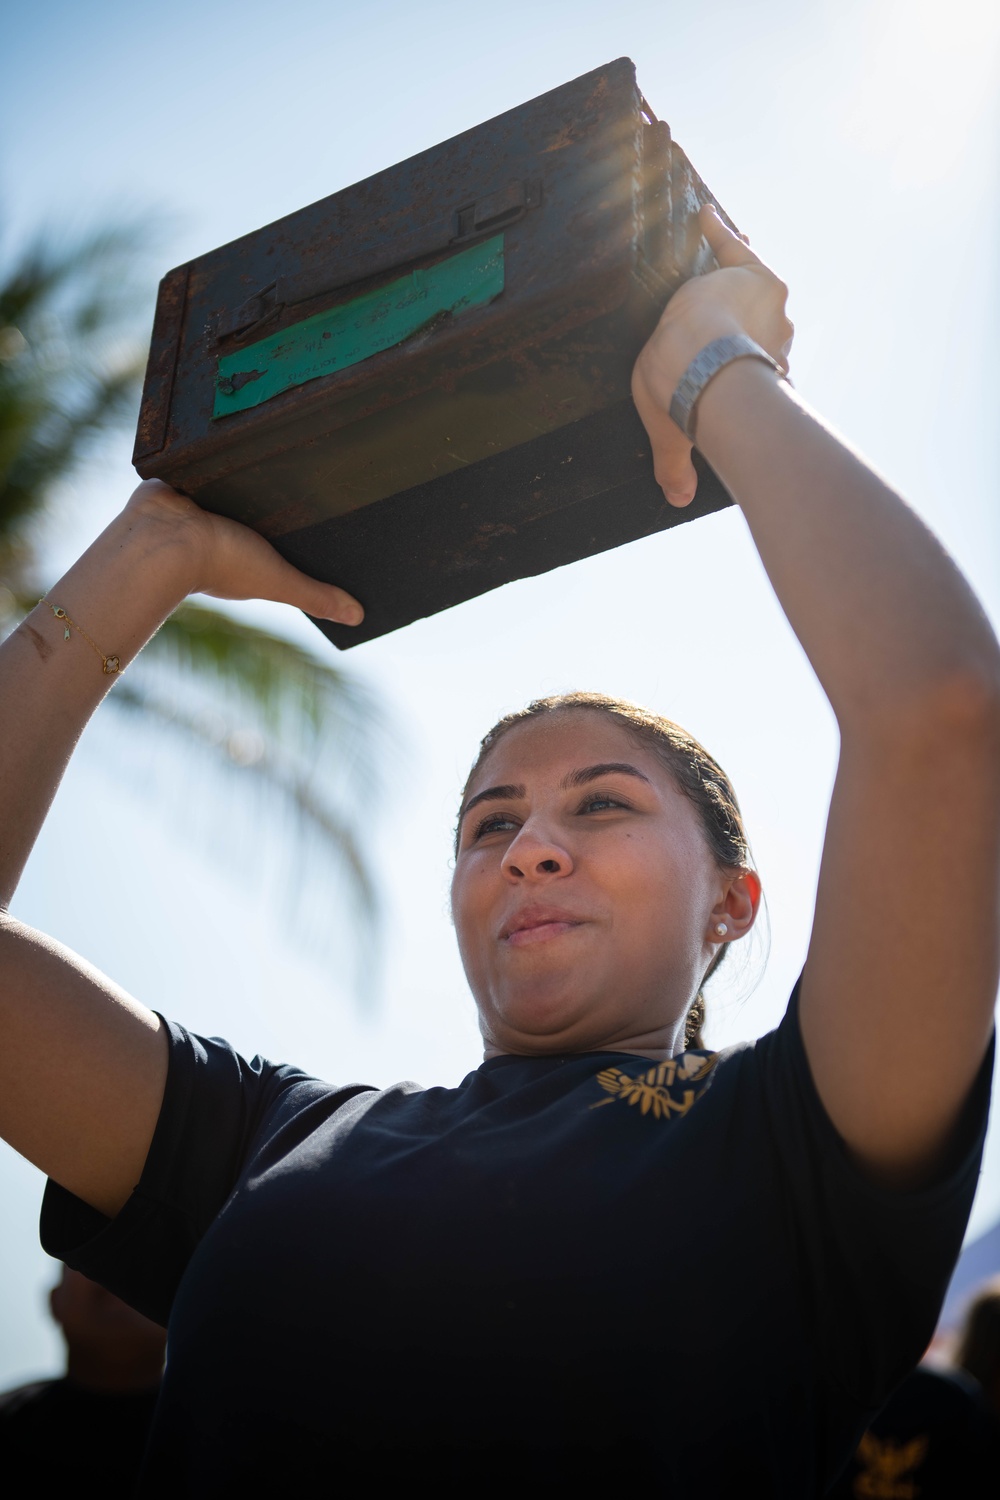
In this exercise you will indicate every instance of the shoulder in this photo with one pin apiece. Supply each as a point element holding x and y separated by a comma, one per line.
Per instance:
<point>23,1396</point>
<point>207,1072</point>
<point>930,1397</point>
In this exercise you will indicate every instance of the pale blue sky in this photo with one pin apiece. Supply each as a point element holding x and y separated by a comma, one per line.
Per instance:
<point>856,143</point>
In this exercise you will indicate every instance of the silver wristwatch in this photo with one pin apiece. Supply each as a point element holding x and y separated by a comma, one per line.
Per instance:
<point>713,358</point>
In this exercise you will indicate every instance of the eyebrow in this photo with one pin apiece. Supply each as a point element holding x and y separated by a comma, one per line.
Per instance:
<point>511,791</point>
<point>606,768</point>
<point>506,793</point>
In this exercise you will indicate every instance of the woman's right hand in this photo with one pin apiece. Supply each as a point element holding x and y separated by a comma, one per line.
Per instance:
<point>742,296</point>
<point>227,560</point>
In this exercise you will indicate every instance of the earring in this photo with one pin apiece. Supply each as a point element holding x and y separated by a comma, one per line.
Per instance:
<point>721,929</point>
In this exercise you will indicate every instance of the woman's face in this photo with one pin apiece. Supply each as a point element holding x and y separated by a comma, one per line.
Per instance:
<point>585,896</point>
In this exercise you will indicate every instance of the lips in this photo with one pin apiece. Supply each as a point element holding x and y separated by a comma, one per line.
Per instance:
<point>538,924</point>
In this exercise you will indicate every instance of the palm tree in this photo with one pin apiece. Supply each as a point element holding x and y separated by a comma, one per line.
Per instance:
<point>267,711</point>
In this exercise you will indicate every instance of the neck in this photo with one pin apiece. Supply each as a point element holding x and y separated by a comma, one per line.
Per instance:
<point>96,1371</point>
<point>657,1045</point>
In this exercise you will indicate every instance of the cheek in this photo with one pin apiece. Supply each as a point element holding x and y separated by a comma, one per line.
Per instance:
<point>639,861</point>
<point>468,906</point>
<point>660,890</point>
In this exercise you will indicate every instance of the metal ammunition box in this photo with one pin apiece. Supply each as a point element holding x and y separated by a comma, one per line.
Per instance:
<point>418,388</point>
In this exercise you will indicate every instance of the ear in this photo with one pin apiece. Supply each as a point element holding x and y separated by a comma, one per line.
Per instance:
<point>737,909</point>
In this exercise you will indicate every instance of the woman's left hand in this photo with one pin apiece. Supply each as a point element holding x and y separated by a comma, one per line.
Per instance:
<point>743,296</point>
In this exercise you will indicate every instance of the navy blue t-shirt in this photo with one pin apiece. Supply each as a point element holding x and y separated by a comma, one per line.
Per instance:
<point>591,1265</point>
<point>936,1438</point>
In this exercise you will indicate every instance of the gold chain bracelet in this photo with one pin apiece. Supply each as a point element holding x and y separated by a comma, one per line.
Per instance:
<point>111,664</point>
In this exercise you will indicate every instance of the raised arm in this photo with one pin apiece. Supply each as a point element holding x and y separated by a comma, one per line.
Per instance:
<point>82,1064</point>
<point>901,977</point>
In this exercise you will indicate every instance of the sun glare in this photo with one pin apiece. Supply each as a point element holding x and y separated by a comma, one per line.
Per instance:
<point>927,81</point>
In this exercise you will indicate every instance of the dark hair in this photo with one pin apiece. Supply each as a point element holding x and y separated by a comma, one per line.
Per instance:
<point>694,772</point>
<point>979,1346</point>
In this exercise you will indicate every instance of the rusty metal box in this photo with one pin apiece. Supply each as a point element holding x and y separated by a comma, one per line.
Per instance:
<point>418,388</point>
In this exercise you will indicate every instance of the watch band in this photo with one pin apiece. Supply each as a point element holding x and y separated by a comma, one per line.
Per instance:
<point>713,358</point>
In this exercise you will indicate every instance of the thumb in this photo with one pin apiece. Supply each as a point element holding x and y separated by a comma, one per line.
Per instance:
<point>675,473</point>
<point>244,565</point>
<point>727,247</point>
<point>325,601</point>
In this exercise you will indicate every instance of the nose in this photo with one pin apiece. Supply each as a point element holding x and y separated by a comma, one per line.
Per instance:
<point>535,855</point>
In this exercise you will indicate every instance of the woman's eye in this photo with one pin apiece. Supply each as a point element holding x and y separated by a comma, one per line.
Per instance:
<point>495,823</point>
<point>599,801</point>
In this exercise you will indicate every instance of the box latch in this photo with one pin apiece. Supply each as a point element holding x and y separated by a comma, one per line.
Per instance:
<point>486,216</point>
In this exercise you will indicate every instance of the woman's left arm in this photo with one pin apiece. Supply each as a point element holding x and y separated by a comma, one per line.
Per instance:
<point>899,985</point>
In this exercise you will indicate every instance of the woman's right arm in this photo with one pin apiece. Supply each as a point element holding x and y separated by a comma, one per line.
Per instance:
<point>82,1064</point>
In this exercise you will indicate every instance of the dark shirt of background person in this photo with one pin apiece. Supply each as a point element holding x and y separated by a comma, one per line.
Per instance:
<point>935,1439</point>
<point>86,1431</point>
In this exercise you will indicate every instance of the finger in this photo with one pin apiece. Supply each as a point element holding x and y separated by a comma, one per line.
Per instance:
<point>676,475</point>
<point>728,248</point>
<point>338,605</point>
<point>323,600</point>
<point>257,571</point>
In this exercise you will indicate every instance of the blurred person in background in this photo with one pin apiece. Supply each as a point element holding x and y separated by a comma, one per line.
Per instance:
<point>978,1352</point>
<point>88,1426</point>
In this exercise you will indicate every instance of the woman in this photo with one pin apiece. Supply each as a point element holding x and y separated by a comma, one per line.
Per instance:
<point>602,1256</point>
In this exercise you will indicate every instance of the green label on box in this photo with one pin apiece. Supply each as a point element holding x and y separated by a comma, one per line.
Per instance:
<point>356,330</point>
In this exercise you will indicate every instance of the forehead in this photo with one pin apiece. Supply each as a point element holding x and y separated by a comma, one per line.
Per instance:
<point>554,743</point>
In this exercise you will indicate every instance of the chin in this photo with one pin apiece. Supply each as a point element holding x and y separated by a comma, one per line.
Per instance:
<point>545,1022</point>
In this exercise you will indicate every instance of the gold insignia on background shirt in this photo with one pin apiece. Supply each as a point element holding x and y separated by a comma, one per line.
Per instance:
<point>887,1468</point>
<point>659,1090</point>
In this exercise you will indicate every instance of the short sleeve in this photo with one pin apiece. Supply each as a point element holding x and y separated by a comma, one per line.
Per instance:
<point>874,1263</point>
<point>217,1111</point>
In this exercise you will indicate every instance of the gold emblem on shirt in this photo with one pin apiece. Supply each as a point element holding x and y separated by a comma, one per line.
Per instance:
<point>887,1468</point>
<point>663,1090</point>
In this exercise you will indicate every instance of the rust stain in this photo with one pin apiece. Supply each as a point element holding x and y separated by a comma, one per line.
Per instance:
<point>241,378</point>
<point>566,137</point>
<point>151,434</point>
<point>576,129</point>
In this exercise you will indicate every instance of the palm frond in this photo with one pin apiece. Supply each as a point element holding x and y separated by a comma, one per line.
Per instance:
<point>306,734</point>
<point>290,692</point>
<point>96,267</point>
<point>256,761</point>
<point>42,442</point>
<point>70,365</point>
<point>264,710</point>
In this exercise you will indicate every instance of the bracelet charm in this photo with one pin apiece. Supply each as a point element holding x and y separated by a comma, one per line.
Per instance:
<point>110,665</point>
